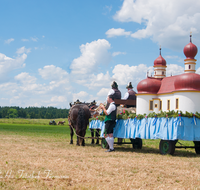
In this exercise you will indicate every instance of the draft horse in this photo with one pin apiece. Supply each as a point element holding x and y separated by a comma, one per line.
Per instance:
<point>78,120</point>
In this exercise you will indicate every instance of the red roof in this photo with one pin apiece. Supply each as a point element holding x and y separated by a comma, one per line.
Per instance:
<point>167,85</point>
<point>183,82</point>
<point>190,51</point>
<point>160,61</point>
<point>149,85</point>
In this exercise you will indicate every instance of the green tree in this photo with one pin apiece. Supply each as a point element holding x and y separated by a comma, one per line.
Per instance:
<point>12,113</point>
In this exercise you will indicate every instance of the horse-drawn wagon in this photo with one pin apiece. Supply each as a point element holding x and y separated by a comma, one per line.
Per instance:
<point>168,129</point>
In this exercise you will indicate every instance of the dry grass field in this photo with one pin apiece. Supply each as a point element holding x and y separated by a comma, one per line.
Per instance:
<point>42,158</point>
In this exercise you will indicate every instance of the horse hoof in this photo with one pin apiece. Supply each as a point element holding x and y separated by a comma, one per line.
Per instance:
<point>97,142</point>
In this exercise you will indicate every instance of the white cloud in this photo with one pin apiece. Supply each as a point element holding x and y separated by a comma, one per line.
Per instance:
<point>25,40</point>
<point>198,71</point>
<point>167,22</point>
<point>82,96</point>
<point>103,92</point>
<point>9,41</point>
<point>117,32</point>
<point>96,81</point>
<point>125,73</point>
<point>173,69</point>
<point>23,50</point>
<point>92,55</point>
<point>34,39</point>
<point>51,72</point>
<point>118,53</point>
<point>8,64</point>
<point>24,77</point>
<point>58,99</point>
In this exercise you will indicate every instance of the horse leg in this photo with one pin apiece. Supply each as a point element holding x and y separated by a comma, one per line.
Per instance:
<point>77,143</point>
<point>83,140</point>
<point>92,134</point>
<point>97,135</point>
<point>71,133</point>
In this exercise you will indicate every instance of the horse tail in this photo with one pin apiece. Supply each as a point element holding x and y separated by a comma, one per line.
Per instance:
<point>81,119</point>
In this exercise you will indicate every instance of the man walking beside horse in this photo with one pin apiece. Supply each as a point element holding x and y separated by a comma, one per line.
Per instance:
<point>110,121</point>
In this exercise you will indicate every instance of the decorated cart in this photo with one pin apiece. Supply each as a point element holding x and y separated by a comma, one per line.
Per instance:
<point>168,129</point>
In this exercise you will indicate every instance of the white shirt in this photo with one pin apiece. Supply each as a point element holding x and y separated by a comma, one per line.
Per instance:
<point>126,95</point>
<point>111,108</point>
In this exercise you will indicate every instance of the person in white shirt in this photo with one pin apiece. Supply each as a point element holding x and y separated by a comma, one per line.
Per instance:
<point>115,92</point>
<point>130,94</point>
<point>110,121</point>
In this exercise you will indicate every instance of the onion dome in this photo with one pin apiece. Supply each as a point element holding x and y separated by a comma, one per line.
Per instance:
<point>187,81</point>
<point>149,86</point>
<point>190,50</point>
<point>160,61</point>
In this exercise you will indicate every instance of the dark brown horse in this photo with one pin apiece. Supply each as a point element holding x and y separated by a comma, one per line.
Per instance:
<point>79,119</point>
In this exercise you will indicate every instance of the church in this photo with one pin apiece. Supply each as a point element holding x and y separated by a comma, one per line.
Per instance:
<point>178,93</point>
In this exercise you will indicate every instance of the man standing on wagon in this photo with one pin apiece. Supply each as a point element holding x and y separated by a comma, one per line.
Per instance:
<point>110,121</point>
<point>115,92</point>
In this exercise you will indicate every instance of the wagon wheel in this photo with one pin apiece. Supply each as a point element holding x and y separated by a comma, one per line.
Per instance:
<point>197,147</point>
<point>104,144</point>
<point>136,143</point>
<point>167,147</point>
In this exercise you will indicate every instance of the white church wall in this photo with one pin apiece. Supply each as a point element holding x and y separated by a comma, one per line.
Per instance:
<point>188,101</point>
<point>143,104</point>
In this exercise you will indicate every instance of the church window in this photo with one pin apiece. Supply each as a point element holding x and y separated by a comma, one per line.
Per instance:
<point>160,108</point>
<point>151,105</point>
<point>189,66</point>
<point>163,72</point>
<point>177,103</point>
<point>168,104</point>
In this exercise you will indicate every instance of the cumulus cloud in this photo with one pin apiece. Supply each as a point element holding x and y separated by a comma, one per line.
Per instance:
<point>9,41</point>
<point>23,50</point>
<point>167,22</point>
<point>103,92</point>
<point>125,73</point>
<point>118,53</point>
<point>92,55</point>
<point>8,64</point>
<point>96,81</point>
<point>117,32</point>
<point>24,77</point>
<point>58,99</point>
<point>82,96</point>
<point>174,69</point>
<point>51,72</point>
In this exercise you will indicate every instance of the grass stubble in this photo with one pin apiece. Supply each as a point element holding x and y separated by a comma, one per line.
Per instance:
<point>35,162</point>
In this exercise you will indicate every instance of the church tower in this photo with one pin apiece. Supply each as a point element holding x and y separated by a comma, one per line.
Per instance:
<point>190,51</point>
<point>160,67</point>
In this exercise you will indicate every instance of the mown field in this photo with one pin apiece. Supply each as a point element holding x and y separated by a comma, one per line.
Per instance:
<point>39,156</point>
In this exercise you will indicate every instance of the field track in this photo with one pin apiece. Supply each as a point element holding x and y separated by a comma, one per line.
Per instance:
<point>40,157</point>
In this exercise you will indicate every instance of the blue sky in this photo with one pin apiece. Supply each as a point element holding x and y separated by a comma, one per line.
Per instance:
<point>54,52</point>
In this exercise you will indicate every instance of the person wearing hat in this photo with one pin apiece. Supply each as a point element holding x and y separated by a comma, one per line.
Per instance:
<point>110,121</point>
<point>130,94</point>
<point>115,92</point>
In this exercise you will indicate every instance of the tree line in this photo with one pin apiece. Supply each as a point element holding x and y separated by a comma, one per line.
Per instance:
<point>33,112</point>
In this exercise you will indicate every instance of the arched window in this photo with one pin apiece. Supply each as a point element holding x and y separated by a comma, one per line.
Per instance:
<point>189,66</point>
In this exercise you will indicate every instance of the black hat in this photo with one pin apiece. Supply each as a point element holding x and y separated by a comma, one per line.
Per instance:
<point>114,85</point>
<point>129,85</point>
